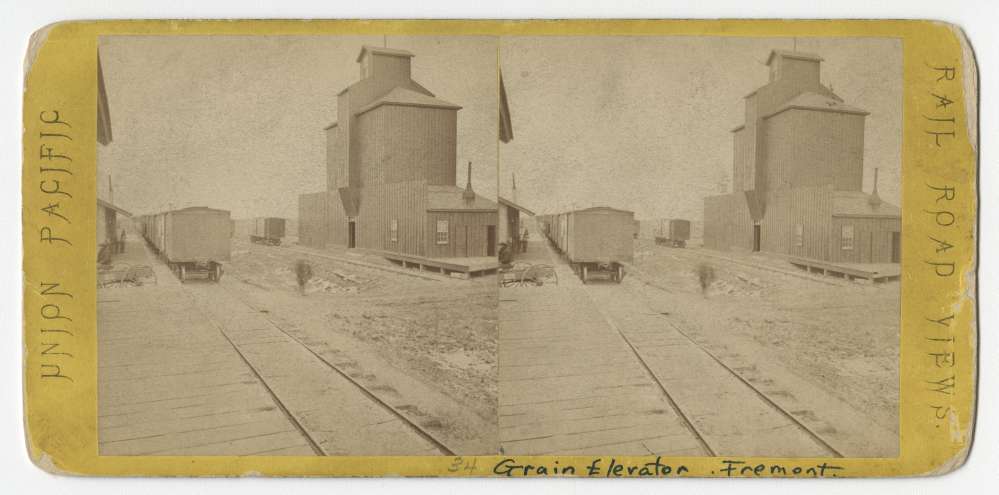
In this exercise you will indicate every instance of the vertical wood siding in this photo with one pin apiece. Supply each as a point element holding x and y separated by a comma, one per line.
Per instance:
<point>336,172</point>
<point>812,208</point>
<point>508,224</point>
<point>380,204</point>
<point>872,239</point>
<point>406,143</point>
<point>750,140</point>
<point>336,219</point>
<point>105,225</point>
<point>727,222</point>
<point>313,219</point>
<point>810,148</point>
<point>466,232</point>
<point>742,166</point>
<point>798,73</point>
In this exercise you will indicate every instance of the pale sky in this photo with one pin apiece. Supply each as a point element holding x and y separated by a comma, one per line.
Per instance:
<point>639,123</point>
<point>236,122</point>
<point>643,123</point>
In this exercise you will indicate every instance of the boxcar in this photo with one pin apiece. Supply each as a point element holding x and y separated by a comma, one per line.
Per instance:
<point>674,232</point>
<point>191,240</point>
<point>267,230</point>
<point>595,240</point>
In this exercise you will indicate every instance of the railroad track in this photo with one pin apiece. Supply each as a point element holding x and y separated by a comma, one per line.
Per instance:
<point>711,446</point>
<point>201,290</point>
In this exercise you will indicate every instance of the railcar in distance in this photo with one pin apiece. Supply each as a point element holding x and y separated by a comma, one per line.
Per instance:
<point>595,241</point>
<point>268,230</point>
<point>190,240</point>
<point>673,232</point>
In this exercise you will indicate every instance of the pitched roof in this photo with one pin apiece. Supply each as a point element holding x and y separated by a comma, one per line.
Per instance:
<point>815,101</point>
<point>392,52</point>
<point>600,209</point>
<point>793,54</point>
<point>407,97</point>
<point>506,202</point>
<point>449,198</point>
<point>110,206</point>
<point>198,208</point>
<point>860,204</point>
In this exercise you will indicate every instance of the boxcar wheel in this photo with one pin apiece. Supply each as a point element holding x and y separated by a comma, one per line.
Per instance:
<point>584,272</point>
<point>217,272</point>
<point>620,273</point>
<point>181,272</point>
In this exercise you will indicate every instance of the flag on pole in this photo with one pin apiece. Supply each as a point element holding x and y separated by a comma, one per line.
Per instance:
<point>505,126</point>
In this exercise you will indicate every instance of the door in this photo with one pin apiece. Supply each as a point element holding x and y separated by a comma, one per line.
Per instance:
<point>490,240</point>
<point>351,235</point>
<point>896,247</point>
<point>756,238</point>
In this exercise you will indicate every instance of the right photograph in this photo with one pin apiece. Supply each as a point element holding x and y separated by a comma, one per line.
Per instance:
<point>700,246</point>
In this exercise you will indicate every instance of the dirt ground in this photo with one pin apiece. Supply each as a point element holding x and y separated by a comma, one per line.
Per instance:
<point>841,336</point>
<point>442,333</point>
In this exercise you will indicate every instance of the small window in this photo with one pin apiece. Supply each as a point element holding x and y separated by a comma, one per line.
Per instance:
<point>799,235</point>
<point>442,234</point>
<point>394,230</point>
<point>847,238</point>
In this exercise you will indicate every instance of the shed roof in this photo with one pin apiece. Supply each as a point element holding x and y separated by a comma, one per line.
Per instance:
<point>407,97</point>
<point>506,202</point>
<point>817,102</point>
<point>861,204</point>
<point>449,198</point>
<point>110,206</point>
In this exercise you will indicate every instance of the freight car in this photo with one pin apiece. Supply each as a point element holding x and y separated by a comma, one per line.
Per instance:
<point>674,232</point>
<point>594,240</point>
<point>191,240</point>
<point>268,230</point>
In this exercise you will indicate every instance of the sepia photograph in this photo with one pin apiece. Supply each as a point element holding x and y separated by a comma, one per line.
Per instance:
<point>704,245</point>
<point>387,245</point>
<point>556,248</point>
<point>297,245</point>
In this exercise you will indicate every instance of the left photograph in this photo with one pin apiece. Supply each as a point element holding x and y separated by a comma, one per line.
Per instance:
<point>297,245</point>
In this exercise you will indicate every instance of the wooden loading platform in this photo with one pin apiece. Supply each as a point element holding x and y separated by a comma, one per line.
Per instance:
<point>874,272</point>
<point>454,267</point>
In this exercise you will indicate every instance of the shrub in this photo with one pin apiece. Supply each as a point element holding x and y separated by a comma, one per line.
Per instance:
<point>303,272</point>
